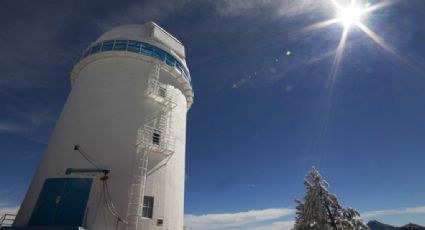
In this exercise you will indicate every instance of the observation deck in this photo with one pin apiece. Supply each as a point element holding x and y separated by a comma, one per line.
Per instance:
<point>146,42</point>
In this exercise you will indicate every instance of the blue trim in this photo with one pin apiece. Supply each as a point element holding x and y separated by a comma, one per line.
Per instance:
<point>140,48</point>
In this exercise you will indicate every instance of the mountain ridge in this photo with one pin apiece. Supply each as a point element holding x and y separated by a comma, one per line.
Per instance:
<point>376,225</point>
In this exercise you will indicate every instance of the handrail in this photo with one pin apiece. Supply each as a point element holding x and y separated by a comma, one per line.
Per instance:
<point>7,220</point>
<point>137,47</point>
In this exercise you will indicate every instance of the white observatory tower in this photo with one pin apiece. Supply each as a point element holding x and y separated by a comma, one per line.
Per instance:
<point>116,158</point>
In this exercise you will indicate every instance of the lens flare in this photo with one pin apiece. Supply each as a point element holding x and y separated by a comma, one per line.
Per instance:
<point>352,15</point>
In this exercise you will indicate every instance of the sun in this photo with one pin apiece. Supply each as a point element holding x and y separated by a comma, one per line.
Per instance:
<point>349,15</point>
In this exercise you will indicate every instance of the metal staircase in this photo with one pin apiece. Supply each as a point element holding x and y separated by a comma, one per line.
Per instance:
<point>156,136</point>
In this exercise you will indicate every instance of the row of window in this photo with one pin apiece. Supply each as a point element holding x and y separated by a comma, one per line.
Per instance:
<point>141,48</point>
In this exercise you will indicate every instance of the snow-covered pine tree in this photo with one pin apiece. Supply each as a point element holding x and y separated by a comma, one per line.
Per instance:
<point>320,209</point>
<point>351,220</point>
<point>314,212</point>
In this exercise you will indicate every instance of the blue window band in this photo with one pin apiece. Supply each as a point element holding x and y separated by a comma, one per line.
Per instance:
<point>138,47</point>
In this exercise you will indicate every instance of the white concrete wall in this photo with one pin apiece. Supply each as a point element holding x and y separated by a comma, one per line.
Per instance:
<point>102,114</point>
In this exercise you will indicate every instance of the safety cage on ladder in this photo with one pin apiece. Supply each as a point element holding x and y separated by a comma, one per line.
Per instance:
<point>159,92</point>
<point>157,140</point>
<point>157,134</point>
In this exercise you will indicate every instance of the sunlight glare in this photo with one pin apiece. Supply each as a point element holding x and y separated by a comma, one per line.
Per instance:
<point>353,15</point>
<point>349,15</point>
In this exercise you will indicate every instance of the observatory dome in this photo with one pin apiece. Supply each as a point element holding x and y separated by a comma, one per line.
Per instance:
<point>138,41</point>
<point>148,32</point>
<point>133,32</point>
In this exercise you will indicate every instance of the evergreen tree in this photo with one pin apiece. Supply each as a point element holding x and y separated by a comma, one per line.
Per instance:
<point>351,220</point>
<point>320,209</point>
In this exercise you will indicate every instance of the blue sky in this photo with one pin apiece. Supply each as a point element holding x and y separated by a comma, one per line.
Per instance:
<point>261,118</point>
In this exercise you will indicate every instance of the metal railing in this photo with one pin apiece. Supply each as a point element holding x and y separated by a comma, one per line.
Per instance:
<point>159,92</point>
<point>157,140</point>
<point>7,220</point>
<point>140,48</point>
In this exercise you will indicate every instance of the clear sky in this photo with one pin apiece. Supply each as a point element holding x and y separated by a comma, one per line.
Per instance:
<point>267,106</point>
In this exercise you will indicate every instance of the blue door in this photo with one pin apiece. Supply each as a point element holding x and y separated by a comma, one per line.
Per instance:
<point>62,202</point>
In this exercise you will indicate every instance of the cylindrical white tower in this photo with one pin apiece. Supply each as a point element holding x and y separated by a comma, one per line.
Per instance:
<point>116,158</point>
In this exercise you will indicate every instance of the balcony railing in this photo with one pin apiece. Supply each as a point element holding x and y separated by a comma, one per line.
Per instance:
<point>7,220</point>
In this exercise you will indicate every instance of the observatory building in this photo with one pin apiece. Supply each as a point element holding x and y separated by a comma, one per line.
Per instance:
<point>116,158</point>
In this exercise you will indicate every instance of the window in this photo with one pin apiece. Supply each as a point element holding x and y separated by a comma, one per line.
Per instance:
<point>134,46</point>
<point>107,45</point>
<point>147,207</point>
<point>120,45</point>
<point>162,91</point>
<point>156,137</point>
<point>138,47</point>
<point>95,48</point>
<point>160,222</point>
<point>170,60</point>
<point>160,54</point>
<point>147,49</point>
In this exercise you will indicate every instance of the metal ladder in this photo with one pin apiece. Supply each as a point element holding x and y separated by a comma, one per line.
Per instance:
<point>156,136</point>
<point>137,191</point>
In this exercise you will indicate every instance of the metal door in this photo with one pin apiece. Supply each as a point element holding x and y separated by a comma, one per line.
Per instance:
<point>62,202</point>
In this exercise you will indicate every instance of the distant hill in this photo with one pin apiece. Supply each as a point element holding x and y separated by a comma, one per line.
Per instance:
<point>376,225</point>
<point>411,226</point>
